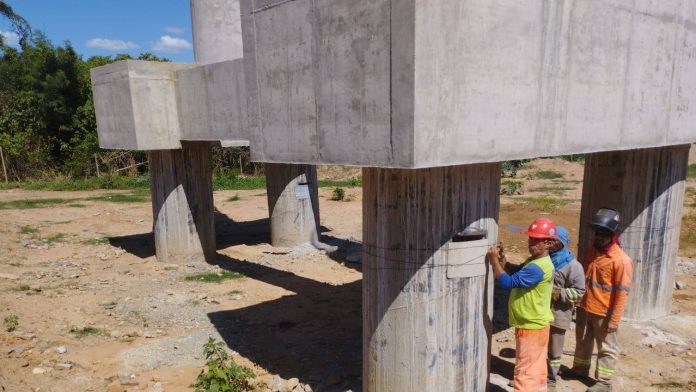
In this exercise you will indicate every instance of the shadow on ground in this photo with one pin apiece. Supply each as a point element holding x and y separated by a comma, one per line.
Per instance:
<point>314,334</point>
<point>227,233</point>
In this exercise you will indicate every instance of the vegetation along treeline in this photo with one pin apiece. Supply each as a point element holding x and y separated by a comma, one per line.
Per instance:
<point>47,124</point>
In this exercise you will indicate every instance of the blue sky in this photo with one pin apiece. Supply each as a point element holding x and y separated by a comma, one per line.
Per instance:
<point>108,27</point>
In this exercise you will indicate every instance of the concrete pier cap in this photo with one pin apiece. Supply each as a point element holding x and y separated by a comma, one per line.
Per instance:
<point>418,83</point>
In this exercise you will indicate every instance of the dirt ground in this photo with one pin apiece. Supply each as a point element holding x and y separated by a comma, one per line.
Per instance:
<point>97,312</point>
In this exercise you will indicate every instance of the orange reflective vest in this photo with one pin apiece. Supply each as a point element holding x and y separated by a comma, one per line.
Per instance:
<point>608,278</point>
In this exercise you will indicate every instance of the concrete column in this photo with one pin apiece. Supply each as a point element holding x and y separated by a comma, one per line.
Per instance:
<point>427,300</point>
<point>217,30</point>
<point>646,186</point>
<point>293,204</point>
<point>182,203</point>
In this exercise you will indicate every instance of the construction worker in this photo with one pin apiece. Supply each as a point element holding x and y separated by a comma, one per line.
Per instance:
<point>568,289</point>
<point>529,306</point>
<point>608,272</point>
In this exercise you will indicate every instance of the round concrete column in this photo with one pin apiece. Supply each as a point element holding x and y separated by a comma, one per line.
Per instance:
<point>293,204</point>
<point>427,300</point>
<point>217,30</point>
<point>182,203</point>
<point>646,186</point>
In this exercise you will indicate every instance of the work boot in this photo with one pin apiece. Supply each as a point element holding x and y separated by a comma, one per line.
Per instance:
<point>599,387</point>
<point>551,385</point>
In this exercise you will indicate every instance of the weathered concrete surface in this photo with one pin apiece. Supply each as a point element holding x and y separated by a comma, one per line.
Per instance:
<point>419,83</point>
<point>136,106</point>
<point>217,30</point>
<point>423,328</point>
<point>212,103</point>
<point>182,203</point>
<point>646,186</point>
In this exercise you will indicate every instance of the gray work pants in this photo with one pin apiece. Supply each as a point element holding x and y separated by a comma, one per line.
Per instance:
<point>556,338</point>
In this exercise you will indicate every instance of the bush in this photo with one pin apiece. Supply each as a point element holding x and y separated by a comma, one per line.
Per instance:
<point>222,373</point>
<point>511,187</point>
<point>510,168</point>
<point>11,322</point>
<point>338,194</point>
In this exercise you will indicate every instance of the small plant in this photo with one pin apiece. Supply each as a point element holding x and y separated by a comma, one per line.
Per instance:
<point>511,187</point>
<point>234,198</point>
<point>338,194</point>
<point>212,277</point>
<point>23,287</point>
<point>11,322</point>
<point>28,230</point>
<point>222,373</point>
<point>82,332</point>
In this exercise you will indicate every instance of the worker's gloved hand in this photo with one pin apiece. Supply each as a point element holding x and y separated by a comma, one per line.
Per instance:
<point>556,294</point>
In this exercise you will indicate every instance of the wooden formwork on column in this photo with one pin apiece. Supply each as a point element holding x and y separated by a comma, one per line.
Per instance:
<point>293,204</point>
<point>646,186</point>
<point>427,301</point>
<point>182,203</point>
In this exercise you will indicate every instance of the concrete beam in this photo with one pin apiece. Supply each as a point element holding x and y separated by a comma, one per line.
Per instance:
<point>136,105</point>
<point>212,103</point>
<point>419,83</point>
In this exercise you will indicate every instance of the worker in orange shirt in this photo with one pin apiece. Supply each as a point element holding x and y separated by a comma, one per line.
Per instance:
<point>608,272</point>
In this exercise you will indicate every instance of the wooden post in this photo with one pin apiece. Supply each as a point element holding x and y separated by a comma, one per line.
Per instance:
<point>646,186</point>
<point>4,168</point>
<point>182,203</point>
<point>96,164</point>
<point>427,301</point>
<point>293,204</point>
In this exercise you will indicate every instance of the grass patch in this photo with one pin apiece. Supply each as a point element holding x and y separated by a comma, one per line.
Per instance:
<point>546,203</point>
<point>28,230</point>
<point>54,238</point>
<point>16,264</point>
<point>87,184</point>
<point>234,292</point>
<point>234,198</point>
<point>231,181</point>
<point>349,183</point>
<point>681,386</point>
<point>551,189</point>
<point>10,322</point>
<point>23,287</point>
<point>82,332</point>
<point>32,203</point>
<point>213,277</point>
<point>547,175</point>
<point>691,171</point>
<point>562,181</point>
<point>97,241</point>
<point>119,198</point>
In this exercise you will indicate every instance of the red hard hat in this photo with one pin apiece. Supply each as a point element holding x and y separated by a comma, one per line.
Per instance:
<point>542,228</point>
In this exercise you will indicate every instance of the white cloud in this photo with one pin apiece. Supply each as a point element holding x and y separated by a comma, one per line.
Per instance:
<point>111,44</point>
<point>171,44</point>
<point>10,38</point>
<point>174,30</point>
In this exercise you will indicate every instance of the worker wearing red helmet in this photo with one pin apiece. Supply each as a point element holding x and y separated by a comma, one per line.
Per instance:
<point>529,306</point>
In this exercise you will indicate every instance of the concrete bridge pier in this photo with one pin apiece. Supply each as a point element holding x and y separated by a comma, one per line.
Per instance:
<point>646,186</point>
<point>182,203</point>
<point>427,291</point>
<point>293,204</point>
